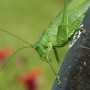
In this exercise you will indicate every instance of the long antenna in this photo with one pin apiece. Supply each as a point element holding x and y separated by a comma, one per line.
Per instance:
<point>13,55</point>
<point>15,36</point>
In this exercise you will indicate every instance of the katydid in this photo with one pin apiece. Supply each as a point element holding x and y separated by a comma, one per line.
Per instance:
<point>60,31</point>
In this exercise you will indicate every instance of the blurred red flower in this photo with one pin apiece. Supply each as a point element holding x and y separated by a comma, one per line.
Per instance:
<point>29,79</point>
<point>4,52</point>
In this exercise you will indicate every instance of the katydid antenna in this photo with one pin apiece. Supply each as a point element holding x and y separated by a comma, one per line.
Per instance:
<point>30,46</point>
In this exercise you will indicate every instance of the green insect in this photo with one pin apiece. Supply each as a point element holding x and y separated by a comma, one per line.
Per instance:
<point>60,31</point>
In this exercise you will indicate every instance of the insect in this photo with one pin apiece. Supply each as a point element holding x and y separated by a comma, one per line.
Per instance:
<point>60,31</point>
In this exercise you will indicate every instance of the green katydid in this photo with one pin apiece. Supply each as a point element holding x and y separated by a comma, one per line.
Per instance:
<point>60,31</point>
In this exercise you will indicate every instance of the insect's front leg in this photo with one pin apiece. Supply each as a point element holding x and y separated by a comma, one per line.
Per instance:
<point>49,48</point>
<point>46,49</point>
<point>51,65</point>
<point>55,72</point>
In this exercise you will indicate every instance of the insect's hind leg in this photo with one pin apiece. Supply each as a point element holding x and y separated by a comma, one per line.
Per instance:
<point>56,55</point>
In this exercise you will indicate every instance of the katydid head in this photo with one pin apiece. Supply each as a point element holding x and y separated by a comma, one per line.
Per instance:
<point>41,51</point>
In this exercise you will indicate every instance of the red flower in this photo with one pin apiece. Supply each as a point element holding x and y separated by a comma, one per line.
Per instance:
<point>4,53</point>
<point>29,79</point>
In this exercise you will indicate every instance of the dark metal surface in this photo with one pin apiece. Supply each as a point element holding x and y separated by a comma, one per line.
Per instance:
<point>71,57</point>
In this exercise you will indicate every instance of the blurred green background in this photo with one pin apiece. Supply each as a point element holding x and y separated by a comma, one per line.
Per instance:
<point>27,19</point>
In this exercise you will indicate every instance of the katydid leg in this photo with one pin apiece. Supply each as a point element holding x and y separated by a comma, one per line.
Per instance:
<point>55,72</point>
<point>56,55</point>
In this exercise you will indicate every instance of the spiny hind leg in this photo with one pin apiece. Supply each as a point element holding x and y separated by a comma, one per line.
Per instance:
<point>55,72</point>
